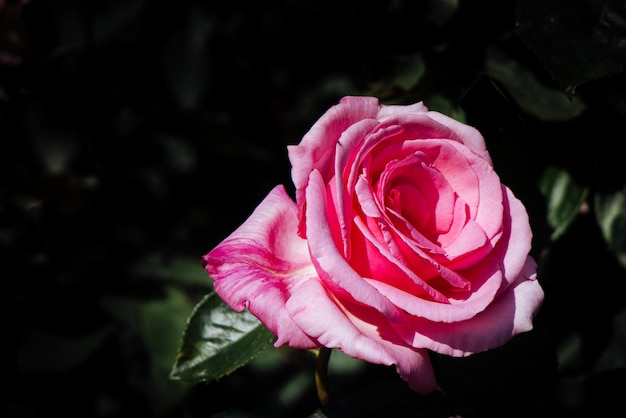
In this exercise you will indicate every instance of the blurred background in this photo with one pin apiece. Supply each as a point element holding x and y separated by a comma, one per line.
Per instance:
<point>136,135</point>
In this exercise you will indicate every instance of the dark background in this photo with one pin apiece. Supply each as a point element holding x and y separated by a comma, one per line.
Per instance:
<point>135,136</point>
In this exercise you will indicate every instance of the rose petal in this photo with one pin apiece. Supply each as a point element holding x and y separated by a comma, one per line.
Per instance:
<point>317,147</point>
<point>469,246</point>
<point>330,264</point>
<point>510,314</point>
<point>341,191</point>
<point>407,253</point>
<point>413,179</point>
<point>337,327</point>
<point>426,264</point>
<point>261,264</point>
<point>471,177</point>
<point>372,209</point>
<point>485,284</point>
<point>513,248</point>
<point>466,134</point>
<point>361,164</point>
<point>420,125</point>
<point>388,111</point>
<point>392,271</point>
<point>460,217</point>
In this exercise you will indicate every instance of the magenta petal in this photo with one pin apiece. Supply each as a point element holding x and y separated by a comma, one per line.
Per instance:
<point>317,148</point>
<point>514,246</point>
<point>335,327</point>
<point>467,244</point>
<point>329,262</point>
<point>261,264</point>
<point>367,201</point>
<point>387,111</point>
<point>474,181</point>
<point>468,135</point>
<point>486,283</point>
<point>511,313</point>
<point>389,267</point>
<point>345,152</point>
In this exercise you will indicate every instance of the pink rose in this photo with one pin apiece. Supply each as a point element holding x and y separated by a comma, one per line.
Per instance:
<point>402,239</point>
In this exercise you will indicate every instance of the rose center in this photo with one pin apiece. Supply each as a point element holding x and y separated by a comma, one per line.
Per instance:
<point>414,191</point>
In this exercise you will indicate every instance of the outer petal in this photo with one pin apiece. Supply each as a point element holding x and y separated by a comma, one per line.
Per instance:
<point>487,282</point>
<point>261,264</point>
<point>335,327</point>
<point>510,314</point>
<point>513,248</point>
<point>468,135</point>
<point>393,110</point>
<point>316,150</point>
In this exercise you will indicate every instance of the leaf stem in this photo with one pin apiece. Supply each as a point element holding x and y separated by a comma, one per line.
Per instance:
<point>321,375</point>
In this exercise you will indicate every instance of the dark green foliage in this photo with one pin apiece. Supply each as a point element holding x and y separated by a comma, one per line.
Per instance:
<point>217,341</point>
<point>578,41</point>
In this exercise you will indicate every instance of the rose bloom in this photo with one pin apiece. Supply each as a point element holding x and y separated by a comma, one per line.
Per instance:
<point>402,239</point>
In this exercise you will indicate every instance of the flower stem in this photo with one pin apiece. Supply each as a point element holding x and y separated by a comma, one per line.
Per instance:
<point>321,375</point>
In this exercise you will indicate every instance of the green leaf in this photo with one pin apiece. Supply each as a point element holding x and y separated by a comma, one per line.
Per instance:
<point>218,341</point>
<point>577,41</point>
<point>564,199</point>
<point>533,97</point>
<point>610,211</point>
